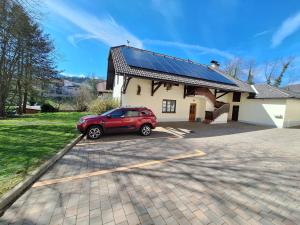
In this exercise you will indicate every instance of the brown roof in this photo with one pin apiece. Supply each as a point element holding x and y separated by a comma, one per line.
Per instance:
<point>122,68</point>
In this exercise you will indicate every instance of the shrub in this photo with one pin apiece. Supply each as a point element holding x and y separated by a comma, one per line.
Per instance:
<point>46,107</point>
<point>83,98</point>
<point>101,105</point>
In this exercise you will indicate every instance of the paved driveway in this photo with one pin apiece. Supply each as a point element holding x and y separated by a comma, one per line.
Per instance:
<point>182,174</point>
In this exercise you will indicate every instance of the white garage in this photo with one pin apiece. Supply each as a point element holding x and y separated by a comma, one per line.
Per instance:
<point>271,106</point>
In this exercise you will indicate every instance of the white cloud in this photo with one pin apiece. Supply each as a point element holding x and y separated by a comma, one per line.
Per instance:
<point>74,39</point>
<point>105,29</point>
<point>167,8</point>
<point>294,82</point>
<point>73,75</point>
<point>262,33</point>
<point>184,46</point>
<point>287,28</point>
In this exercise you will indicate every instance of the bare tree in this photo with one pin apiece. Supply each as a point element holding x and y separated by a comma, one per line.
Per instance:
<point>234,67</point>
<point>285,65</point>
<point>270,70</point>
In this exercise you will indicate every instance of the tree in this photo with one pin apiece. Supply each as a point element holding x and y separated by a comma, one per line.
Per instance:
<point>285,65</point>
<point>275,70</point>
<point>83,98</point>
<point>234,67</point>
<point>251,71</point>
<point>26,56</point>
<point>270,69</point>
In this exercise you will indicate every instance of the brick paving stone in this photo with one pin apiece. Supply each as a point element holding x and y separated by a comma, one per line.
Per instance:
<point>153,212</point>
<point>145,219</point>
<point>83,220</point>
<point>96,220</point>
<point>158,220</point>
<point>56,220</point>
<point>107,216</point>
<point>128,208</point>
<point>202,217</point>
<point>119,216</point>
<point>70,220</point>
<point>132,219</point>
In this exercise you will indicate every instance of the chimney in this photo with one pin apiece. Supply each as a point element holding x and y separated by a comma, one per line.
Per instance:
<point>214,64</point>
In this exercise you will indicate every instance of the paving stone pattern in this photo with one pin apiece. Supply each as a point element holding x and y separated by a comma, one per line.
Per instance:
<point>247,177</point>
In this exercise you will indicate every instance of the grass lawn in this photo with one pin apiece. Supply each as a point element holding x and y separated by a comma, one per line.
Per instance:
<point>27,142</point>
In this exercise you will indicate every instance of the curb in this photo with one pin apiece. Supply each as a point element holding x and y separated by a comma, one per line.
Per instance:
<point>7,199</point>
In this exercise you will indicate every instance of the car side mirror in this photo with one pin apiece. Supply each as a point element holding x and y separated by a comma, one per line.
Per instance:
<point>108,116</point>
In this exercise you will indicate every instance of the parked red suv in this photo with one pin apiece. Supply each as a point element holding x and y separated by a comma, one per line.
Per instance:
<point>118,120</point>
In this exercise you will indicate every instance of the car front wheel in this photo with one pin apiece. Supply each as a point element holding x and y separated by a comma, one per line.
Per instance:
<point>145,130</point>
<point>94,132</point>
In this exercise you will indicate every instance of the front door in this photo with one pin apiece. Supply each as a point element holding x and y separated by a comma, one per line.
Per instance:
<point>192,116</point>
<point>235,113</point>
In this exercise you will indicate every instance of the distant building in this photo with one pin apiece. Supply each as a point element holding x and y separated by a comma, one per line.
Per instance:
<point>101,89</point>
<point>62,88</point>
<point>70,88</point>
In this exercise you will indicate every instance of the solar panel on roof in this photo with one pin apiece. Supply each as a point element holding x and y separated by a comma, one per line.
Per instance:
<point>156,62</point>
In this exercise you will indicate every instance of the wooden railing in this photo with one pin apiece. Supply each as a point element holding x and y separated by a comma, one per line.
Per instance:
<point>221,108</point>
<point>219,111</point>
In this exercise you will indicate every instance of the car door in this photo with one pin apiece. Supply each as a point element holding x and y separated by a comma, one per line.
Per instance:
<point>130,119</point>
<point>114,121</point>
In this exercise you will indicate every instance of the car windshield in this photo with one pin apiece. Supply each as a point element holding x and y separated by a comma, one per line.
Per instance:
<point>108,112</point>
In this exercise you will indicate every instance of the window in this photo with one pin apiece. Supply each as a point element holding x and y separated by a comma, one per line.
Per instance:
<point>145,113</point>
<point>169,106</point>
<point>117,113</point>
<point>138,92</point>
<point>236,97</point>
<point>131,113</point>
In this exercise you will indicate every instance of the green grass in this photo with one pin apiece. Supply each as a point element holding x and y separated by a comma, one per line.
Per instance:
<point>27,142</point>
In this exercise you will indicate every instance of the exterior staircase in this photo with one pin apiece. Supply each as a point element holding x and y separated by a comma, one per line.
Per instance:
<point>220,108</point>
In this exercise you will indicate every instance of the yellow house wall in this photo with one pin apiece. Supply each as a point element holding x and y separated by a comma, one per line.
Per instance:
<point>130,98</point>
<point>292,116</point>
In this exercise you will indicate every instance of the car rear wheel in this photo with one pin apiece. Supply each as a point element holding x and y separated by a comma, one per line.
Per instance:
<point>145,130</point>
<point>94,132</point>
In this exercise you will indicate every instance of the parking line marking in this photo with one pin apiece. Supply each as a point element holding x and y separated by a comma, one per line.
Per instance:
<point>118,169</point>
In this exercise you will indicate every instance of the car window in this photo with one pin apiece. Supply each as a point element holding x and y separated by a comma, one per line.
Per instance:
<point>145,113</point>
<point>131,113</point>
<point>117,113</point>
<point>107,113</point>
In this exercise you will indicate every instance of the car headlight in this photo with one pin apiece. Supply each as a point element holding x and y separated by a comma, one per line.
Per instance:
<point>81,121</point>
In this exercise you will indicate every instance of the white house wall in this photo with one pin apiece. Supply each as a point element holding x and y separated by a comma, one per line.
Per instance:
<point>118,82</point>
<point>130,98</point>
<point>292,116</point>
<point>270,112</point>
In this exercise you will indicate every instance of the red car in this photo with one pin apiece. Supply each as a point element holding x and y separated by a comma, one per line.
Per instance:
<point>118,120</point>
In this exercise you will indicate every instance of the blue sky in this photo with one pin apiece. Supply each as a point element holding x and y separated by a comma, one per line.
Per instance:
<point>83,31</point>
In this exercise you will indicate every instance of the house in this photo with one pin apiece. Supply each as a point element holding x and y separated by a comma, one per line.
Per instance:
<point>62,88</point>
<point>101,89</point>
<point>182,90</point>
